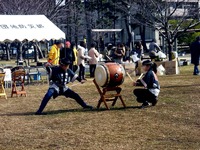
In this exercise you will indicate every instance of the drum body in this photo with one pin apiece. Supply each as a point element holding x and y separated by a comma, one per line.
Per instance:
<point>109,75</point>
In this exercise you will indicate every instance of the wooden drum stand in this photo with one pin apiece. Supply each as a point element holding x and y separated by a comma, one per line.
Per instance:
<point>104,97</point>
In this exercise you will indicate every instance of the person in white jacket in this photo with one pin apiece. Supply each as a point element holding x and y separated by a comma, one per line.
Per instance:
<point>94,54</point>
<point>81,59</point>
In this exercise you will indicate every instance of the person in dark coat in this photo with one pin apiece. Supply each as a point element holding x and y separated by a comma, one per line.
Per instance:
<point>68,53</point>
<point>195,52</point>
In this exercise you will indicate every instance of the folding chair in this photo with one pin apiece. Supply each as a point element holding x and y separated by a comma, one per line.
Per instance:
<point>18,78</point>
<point>33,74</point>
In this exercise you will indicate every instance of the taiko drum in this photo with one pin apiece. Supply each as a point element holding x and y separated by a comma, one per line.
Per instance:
<point>109,75</point>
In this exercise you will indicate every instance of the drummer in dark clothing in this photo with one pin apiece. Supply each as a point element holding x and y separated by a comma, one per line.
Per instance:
<point>195,53</point>
<point>60,76</point>
<point>151,89</point>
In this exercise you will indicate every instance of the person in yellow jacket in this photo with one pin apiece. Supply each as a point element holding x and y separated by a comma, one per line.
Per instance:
<point>75,62</point>
<point>54,54</point>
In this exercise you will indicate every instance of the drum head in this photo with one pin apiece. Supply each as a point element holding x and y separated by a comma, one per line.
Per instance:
<point>101,75</point>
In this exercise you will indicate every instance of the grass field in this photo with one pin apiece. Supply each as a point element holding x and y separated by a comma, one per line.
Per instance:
<point>173,124</point>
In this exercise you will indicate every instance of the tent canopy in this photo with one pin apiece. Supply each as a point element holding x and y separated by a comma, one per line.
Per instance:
<point>28,27</point>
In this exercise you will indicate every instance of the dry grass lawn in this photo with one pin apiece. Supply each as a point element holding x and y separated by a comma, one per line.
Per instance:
<point>173,124</point>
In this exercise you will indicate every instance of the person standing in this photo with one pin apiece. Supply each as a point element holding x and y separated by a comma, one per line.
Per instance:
<point>94,54</point>
<point>195,53</point>
<point>138,55</point>
<point>81,59</point>
<point>59,77</point>
<point>139,50</point>
<point>54,54</point>
<point>119,53</point>
<point>68,53</point>
<point>75,62</point>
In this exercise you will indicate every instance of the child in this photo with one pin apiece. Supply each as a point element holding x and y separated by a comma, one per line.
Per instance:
<point>59,77</point>
<point>151,85</point>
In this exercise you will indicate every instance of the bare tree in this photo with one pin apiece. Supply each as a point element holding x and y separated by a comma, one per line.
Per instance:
<point>49,8</point>
<point>159,14</point>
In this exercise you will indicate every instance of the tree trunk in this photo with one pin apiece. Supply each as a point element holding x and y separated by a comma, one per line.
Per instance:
<point>143,34</point>
<point>170,50</point>
<point>89,37</point>
<point>129,33</point>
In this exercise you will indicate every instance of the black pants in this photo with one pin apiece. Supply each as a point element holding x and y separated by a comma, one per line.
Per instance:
<point>92,70</point>
<point>144,95</point>
<point>75,67</point>
<point>52,92</point>
<point>71,66</point>
<point>81,72</point>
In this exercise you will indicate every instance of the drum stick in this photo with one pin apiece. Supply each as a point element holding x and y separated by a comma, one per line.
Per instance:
<point>108,58</point>
<point>140,76</point>
<point>53,60</point>
<point>141,80</point>
<point>129,76</point>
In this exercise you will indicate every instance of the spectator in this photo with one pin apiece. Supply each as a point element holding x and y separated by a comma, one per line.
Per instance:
<point>68,53</point>
<point>54,54</point>
<point>81,59</point>
<point>154,49</point>
<point>119,53</point>
<point>195,52</point>
<point>139,49</point>
<point>127,54</point>
<point>94,54</point>
<point>75,62</point>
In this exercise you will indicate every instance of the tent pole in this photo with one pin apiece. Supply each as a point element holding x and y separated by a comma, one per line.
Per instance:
<point>20,52</point>
<point>20,58</point>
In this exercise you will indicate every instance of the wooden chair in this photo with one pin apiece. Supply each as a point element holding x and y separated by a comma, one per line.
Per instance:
<point>17,68</point>
<point>18,77</point>
<point>2,89</point>
<point>104,97</point>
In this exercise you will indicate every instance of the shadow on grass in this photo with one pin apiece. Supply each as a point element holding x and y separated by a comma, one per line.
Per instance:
<point>80,110</point>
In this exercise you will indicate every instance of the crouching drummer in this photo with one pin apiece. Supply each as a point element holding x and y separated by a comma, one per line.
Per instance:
<point>59,77</point>
<point>151,89</point>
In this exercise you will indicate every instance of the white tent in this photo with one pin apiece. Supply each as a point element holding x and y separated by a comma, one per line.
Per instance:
<point>29,27</point>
